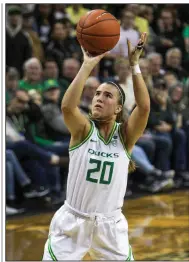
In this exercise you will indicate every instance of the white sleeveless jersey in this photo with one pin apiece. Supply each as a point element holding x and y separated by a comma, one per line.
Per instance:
<point>98,172</point>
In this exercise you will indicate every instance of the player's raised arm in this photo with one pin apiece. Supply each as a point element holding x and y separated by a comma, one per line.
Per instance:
<point>137,121</point>
<point>76,122</point>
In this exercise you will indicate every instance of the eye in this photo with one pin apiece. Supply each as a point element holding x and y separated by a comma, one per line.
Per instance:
<point>97,93</point>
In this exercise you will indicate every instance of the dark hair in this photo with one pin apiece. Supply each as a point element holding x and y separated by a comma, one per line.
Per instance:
<point>160,84</point>
<point>49,59</point>
<point>121,92</point>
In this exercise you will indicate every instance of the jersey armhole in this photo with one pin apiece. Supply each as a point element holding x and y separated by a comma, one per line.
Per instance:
<point>85,139</point>
<point>122,141</point>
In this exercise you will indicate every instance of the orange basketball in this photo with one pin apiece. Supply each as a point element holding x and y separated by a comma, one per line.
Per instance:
<point>98,31</point>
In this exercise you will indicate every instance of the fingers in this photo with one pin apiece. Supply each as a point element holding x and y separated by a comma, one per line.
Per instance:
<point>83,50</point>
<point>142,41</point>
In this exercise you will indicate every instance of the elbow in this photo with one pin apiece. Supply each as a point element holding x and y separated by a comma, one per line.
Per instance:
<point>145,109</point>
<point>65,107</point>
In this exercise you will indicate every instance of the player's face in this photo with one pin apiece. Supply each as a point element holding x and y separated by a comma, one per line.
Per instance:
<point>105,102</point>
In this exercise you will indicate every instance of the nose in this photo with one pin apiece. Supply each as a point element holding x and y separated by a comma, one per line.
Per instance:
<point>100,98</point>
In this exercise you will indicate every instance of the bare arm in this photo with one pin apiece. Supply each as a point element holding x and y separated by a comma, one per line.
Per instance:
<point>137,121</point>
<point>76,122</point>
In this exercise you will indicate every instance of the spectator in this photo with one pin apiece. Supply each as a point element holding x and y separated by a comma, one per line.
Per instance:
<point>155,64</point>
<point>185,35</point>
<point>154,179</point>
<point>173,63</point>
<point>37,47</point>
<point>141,23</point>
<point>36,160</point>
<point>89,91</point>
<point>54,121</point>
<point>60,11</point>
<point>14,172</point>
<point>179,101</point>
<point>75,11</point>
<point>38,130</point>
<point>11,82</point>
<point>44,21</point>
<point>162,123</point>
<point>127,31</point>
<point>170,78</point>
<point>18,43</point>
<point>60,46</point>
<point>147,12</point>
<point>70,28</point>
<point>170,35</point>
<point>124,78</point>
<point>70,68</point>
<point>72,39</point>
<point>51,71</point>
<point>32,75</point>
<point>145,70</point>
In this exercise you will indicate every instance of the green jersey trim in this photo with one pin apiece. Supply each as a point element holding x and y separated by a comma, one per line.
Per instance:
<point>81,143</point>
<point>110,136</point>
<point>50,250</point>
<point>122,141</point>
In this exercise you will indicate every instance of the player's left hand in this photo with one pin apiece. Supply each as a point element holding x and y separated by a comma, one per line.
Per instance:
<point>134,53</point>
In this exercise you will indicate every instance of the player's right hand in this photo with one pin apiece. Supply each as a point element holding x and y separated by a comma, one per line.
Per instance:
<point>91,61</point>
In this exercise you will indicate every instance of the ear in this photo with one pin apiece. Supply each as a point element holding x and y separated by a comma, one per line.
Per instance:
<point>118,109</point>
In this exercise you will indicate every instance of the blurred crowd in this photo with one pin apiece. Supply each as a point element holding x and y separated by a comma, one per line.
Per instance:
<point>42,58</point>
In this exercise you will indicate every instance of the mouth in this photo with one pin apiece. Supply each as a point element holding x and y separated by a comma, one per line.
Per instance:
<point>98,106</point>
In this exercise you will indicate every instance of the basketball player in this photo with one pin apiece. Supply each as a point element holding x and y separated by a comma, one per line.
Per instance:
<point>91,220</point>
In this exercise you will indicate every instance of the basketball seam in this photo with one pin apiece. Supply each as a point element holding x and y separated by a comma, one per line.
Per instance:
<point>86,18</point>
<point>100,35</point>
<point>97,22</point>
<point>95,46</point>
<point>84,22</point>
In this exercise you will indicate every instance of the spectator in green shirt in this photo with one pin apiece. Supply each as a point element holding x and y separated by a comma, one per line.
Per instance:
<point>51,71</point>
<point>185,35</point>
<point>32,75</point>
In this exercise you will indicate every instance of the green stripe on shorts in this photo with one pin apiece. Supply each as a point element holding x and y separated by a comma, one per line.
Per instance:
<point>50,251</point>
<point>130,255</point>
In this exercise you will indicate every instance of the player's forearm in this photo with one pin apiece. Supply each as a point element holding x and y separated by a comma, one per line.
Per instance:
<point>141,93</point>
<point>73,94</point>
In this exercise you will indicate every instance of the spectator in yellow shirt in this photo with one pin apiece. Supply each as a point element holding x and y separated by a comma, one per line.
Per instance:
<point>75,12</point>
<point>141,23</point>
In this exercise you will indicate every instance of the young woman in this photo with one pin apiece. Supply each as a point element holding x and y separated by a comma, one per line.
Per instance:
<point>91,220</point>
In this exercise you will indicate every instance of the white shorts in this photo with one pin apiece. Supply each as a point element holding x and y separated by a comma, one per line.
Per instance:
<point>73,234</point>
